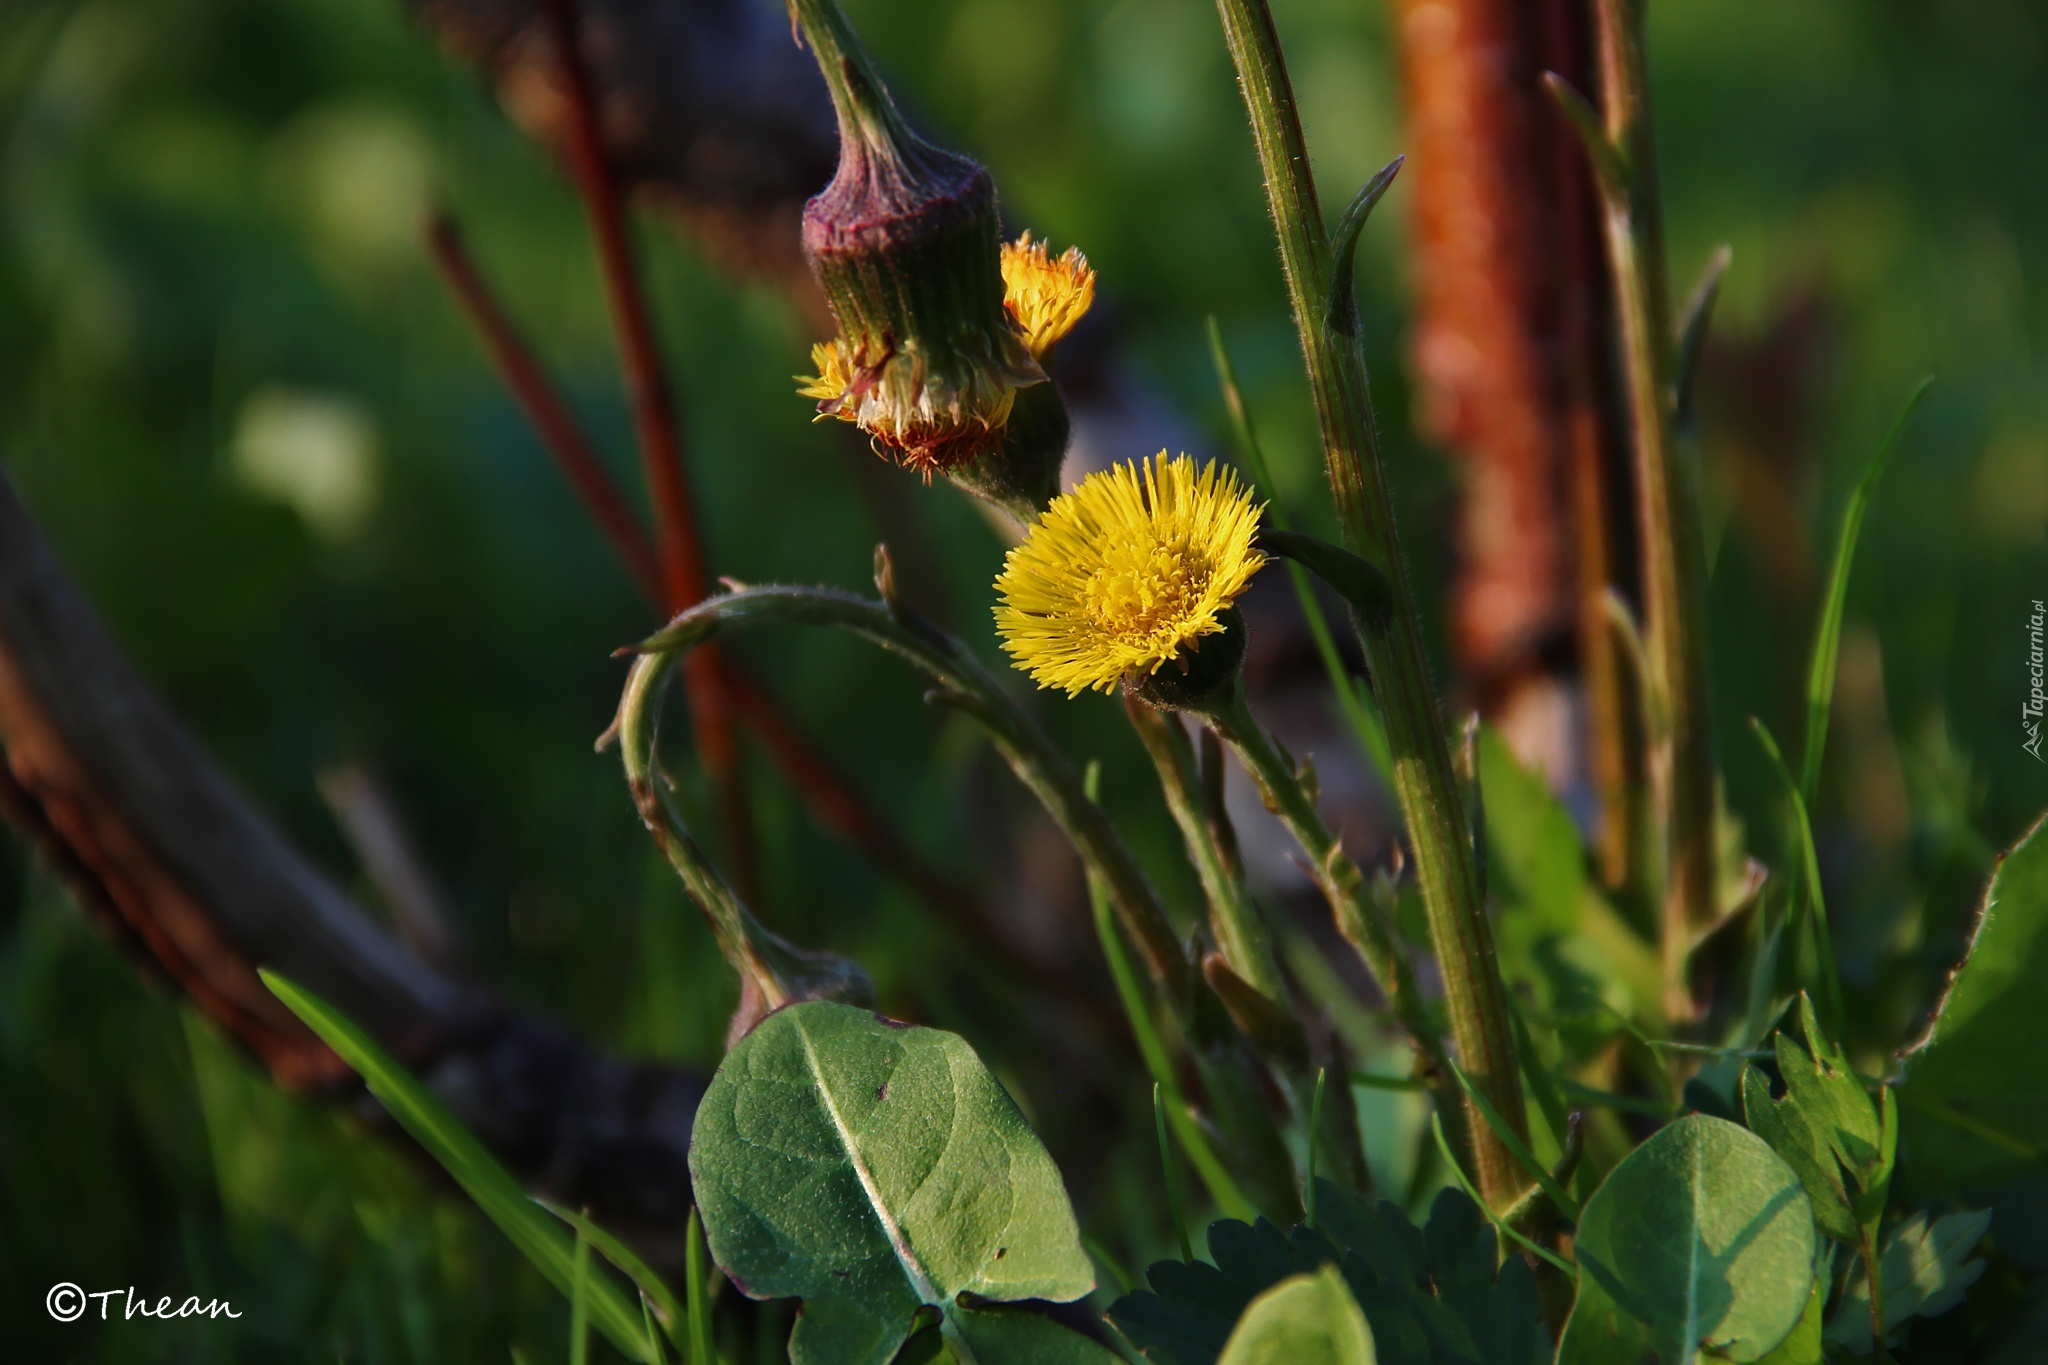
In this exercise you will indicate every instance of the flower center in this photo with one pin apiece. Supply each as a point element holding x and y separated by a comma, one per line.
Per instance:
<point>1147,587</point>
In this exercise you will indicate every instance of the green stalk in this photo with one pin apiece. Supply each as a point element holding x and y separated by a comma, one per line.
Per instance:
<point>1240,929</point>
<point>964,684</point>
<point>1622,144</point>
<point>1247,979</point>
<point>866,111</point>
<point>1424,782</point>
<point>772,972</point>
<point>1336,876</point>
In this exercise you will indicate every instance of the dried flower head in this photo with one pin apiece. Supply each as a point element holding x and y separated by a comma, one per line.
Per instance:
<point>1045,294</point>
<point>915,422</point>
<point>1127,572</point>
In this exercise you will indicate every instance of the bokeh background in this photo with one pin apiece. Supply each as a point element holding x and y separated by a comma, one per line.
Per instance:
<point>238,399</point>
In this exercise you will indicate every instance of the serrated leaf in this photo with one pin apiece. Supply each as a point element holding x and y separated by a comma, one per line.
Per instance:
<point>1973,1097</point>
<point>870,1168</point>
<point>1701,1238</point>
<point>1926,1268</point>
<point>1431,1297</point>
<point>1303,1320</point>
<point>1826,1128</point>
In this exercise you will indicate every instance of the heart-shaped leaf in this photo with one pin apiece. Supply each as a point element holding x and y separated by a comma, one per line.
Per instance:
<point>871,1168</point>
<point>1701,1237</point>
<point>1303,1320</point>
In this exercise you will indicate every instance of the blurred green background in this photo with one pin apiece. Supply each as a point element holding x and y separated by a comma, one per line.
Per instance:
<point>239,401</point>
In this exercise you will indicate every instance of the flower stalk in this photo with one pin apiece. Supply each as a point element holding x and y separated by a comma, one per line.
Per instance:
<point>1621,142</point>
<point>1243,972</point>
<point>1424,782</point>
<point>772,972</point>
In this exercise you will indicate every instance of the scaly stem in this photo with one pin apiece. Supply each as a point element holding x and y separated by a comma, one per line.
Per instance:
<point>1239,928</point>
<point>1247,978</point>
<point>963,684</point>
<point>1336,876</point>
<point>1424,782</point>
<point>1667,508</point>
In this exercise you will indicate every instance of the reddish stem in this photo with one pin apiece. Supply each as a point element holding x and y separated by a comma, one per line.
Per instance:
<point>683,578</point>
<point>544,408</point>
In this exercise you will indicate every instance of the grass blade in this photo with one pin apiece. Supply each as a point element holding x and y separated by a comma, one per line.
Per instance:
<point>699,1292</point>
<point>1827,636</point>
<point>1173,1199</point>
<point>1566,1205</point>
<point>539,1238</point>
<point>579,1304</point>
<point>1443,1146</point>
<point>1315,1129</point>
<point>1816,908</point>
<point>1229,1196</point>
<point>653,1289</point>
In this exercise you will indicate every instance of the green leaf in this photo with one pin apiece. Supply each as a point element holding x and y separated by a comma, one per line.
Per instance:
<point>1925,1269</point>
<point>628,1262</point>
<point>1803,1346</point>
<point>1827,1129</point>
<point>1701,1237</point>
<point>1827,635</point>
<point>1556,933</point>
<point>539,1237</point>
<point>1358,581</point>
<point>1304,1320</point>
<point>1016,1336</point>
<point>1431,1296</point>
<point>1973,1097</point>
<point>871,1168</point>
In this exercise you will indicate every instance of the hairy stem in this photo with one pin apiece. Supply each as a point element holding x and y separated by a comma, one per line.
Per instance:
<point>963,683</point>
<point>1336,875</point>
<point>1239,928</point>
<point>1424,782</point>
<point>1247,978</point>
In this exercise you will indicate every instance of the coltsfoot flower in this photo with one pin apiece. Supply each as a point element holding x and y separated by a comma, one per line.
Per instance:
<point>922,425</point>
<point>1128,573</point>
<point>1046,295</point>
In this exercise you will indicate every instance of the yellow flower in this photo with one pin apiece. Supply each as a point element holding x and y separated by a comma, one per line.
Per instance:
<point>1046,295</point>
<point>830,382</point>
<point>1125,572</point>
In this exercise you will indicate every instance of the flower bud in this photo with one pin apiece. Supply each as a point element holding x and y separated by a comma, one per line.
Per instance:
<point>905,243</point>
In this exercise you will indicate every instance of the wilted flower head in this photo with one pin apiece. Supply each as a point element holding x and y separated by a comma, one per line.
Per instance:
<point>1127,573</point>
<point>928,427</point>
